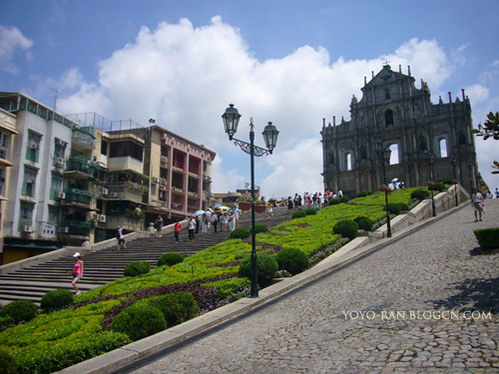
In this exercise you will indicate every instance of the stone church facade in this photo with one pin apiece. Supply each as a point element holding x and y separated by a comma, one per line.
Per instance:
<point>429,142</point>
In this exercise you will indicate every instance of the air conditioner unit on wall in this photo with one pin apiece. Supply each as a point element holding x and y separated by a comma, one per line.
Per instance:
<point>102,218</point>
<point>103,191</point>
<point>164,159</point>
<point>34,146</point>
<point>61,195</point>
<point>113,194</point>
<point>60,160</point>
<point>64,229</point>
<point>27,228</point>
<point>155,179</point>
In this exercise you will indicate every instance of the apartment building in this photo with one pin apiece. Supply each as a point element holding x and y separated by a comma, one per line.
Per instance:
<point>7,132</point>
<point>80,176</point>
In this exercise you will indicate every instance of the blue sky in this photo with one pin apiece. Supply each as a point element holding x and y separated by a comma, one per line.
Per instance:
<point>287,61</point>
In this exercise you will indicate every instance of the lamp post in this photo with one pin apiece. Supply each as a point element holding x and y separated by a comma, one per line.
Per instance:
<point>454,174</point>
<point>384,158</point>
<point>231,121</point>
<point>429,160</point>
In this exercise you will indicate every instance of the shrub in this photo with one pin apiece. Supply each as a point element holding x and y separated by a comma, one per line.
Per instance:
<point>292,260</point>
<point>338,200</point>
<point>364,223</point>
<point>136,268</point>
<point>266,265</point>
<point>419,194</point>
<point>170,259</point>
<point>177,307</point>
<point>347,228</point>
<point>488,238</point>
<point>7,363</point>
<point>260,228</point>
<point>396,208</point>
<point>310,211</point>
<point>240,233</point>
<point>299,214</point>
<point>56,299</point>
<point>20,310</point>
<point>6,322</point>
<point>439,186</point>
<point>139,321</point>
<point>364,193</point>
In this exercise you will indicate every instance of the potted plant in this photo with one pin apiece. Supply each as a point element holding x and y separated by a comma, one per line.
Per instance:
<point>245,203</point>
<point>260,206</point>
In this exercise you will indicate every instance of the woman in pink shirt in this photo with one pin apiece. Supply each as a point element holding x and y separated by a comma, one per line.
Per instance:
<point>77,271</point>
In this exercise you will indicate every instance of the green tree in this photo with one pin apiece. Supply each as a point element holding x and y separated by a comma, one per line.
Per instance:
<point>490,129</point>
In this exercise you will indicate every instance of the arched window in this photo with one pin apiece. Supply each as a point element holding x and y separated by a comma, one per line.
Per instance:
<point>442,146</point>
<point>387,94</point>
<point>348,161</point>
<point>389,118</point>
<point>394,156</point>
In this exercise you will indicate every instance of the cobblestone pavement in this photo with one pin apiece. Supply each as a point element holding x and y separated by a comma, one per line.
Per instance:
<point>387,313</point>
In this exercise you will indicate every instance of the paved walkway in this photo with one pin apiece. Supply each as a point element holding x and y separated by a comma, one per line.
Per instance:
<point>389,312</point>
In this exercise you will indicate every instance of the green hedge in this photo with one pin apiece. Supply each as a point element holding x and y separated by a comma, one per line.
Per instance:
<point>139,321</point>
<point>20,310</point>
<point>299,214</point>
<point>240,233</point>
<point>136,268</point>
<point>56,299</point>
<point>170,259</point>
<point>347,228</point>
<point>266,268</point>
<point>292,260</point>
<point>177,307</point>
<point>488,238</point>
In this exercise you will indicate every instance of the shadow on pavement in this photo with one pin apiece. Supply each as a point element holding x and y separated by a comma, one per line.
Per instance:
<point>476,294</point>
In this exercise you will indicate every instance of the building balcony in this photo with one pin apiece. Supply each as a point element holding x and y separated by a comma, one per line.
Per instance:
<point>83,138</point>
<point>81,167</point>
<point>79,197</point>
<point>125,163</point>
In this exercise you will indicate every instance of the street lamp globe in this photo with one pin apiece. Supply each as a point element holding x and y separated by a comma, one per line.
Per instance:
<point>377,145</point>
<point>386,155</point>
<point>270,135</point>
<point>231,120</point>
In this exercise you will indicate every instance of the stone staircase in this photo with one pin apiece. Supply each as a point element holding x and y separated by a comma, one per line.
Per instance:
<point>105,265</point>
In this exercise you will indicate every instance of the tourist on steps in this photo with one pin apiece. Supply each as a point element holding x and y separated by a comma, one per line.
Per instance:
<point>77,271</point>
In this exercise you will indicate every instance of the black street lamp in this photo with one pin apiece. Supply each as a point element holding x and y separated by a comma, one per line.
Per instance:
<point>454,174</point>
<point>231,120</point>
<point>384,158</point>
<point>429,159</point>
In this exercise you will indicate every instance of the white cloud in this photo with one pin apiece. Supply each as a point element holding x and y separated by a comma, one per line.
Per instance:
<point>185,77</point>
<point>477,93</point>
<point>11,40</point>
<point>295,170</point>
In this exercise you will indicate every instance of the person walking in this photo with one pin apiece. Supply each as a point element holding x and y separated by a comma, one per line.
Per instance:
<point>77,271</point>
<point>191,227</point>
<point>159,226</point>
<point>477,204</point>
<point>214,221</point>
<point>121,238</point>
<point>176,230</point>
<point>204,224</point>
